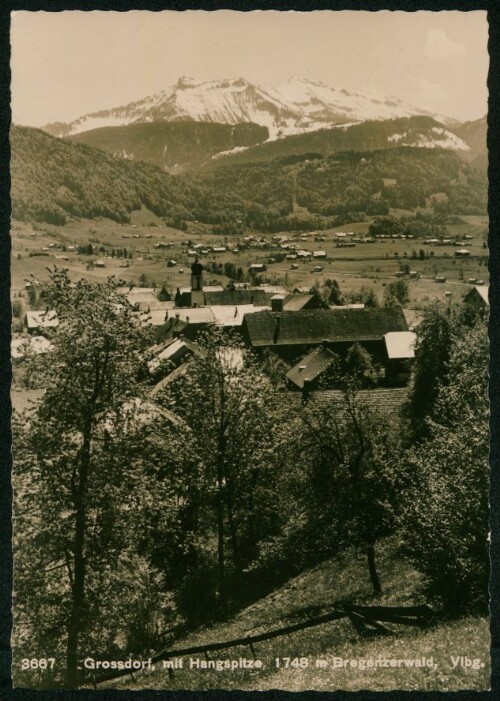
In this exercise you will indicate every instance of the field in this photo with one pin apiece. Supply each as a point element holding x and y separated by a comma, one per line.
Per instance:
<point>313,593</point>
<point>38,247</point>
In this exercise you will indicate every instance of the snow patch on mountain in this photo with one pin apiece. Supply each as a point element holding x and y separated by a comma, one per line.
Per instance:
<point>442,139</point>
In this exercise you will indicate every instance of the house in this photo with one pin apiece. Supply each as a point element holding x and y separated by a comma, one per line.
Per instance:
<point>169,355</point>
<point>477,298</point>
<point>295,333</point>
<point>24,345</point>
<point>39,321</point>
<point>156,317</point>
<point>400,349</point>
<point>188,322</point>
<point>230,317</point>
<point>257,268</point>
<point>239,296</point>
<point>144,298</point>
<point>308,371</point>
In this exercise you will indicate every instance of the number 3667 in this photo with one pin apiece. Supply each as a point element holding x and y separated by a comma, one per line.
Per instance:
<point>38,663</point>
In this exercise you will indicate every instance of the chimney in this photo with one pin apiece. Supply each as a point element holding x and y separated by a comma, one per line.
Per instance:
<point>277,303</point>
<point>277,329</point>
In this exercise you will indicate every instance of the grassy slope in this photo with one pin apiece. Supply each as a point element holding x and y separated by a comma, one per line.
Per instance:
<point>315,592</point>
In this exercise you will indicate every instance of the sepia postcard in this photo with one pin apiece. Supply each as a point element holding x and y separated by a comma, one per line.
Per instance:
<point>250,303</point>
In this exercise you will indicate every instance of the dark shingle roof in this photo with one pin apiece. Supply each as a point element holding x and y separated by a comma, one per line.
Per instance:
<point>311,366</point>
<point>313,326</point>
<point>385,401</point>
<point>259,298</point>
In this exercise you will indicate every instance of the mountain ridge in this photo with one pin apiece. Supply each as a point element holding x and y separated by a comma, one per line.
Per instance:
<point>299,105</point>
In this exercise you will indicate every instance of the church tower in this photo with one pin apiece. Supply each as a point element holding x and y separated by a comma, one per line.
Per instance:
<point>197,294</point>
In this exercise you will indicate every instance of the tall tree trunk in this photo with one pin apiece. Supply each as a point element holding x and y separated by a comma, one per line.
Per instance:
<point>78,596</point>
<point>377,589</point>
<point>79,486</point>
<point>233,534</point>
<point>221,567</point>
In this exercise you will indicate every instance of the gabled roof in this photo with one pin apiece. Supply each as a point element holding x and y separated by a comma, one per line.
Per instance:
<point>195,315</point>
<point>413,318</point>
<point>145,298</point>
<point>156,317</point>
<point>296,302</point>
<point>173,350</point>
<point>400,344</point>
<point>225,315</point>
<point>309,327</point>
<point>482,291</point>
<point>19,347</point>
<point>42,320</point>
<point>310,367</point>
<point>178,372</point>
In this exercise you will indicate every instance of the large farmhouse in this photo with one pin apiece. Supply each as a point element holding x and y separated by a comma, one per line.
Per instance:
<point>294,334</point>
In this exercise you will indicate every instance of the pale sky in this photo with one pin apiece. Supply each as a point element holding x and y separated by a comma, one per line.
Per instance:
<point>67,64</point>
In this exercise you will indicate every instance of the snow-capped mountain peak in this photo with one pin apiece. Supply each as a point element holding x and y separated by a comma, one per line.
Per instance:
<point>297,106</point>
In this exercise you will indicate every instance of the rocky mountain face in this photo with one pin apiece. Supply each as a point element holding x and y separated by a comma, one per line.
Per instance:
<point>295,107</point>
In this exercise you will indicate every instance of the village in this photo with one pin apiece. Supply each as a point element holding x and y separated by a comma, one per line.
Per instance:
<point>305,329</point>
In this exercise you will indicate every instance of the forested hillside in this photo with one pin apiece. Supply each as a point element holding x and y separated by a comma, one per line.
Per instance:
<point>173,144</point>
<point>53,180</point>
<point>366,136</point>
<point>402,177</point>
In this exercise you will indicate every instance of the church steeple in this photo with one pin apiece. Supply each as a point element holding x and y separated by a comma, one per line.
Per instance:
<point>197,294</point>
<point>196,275</point>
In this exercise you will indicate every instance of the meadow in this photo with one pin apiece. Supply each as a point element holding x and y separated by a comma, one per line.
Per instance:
<point>313,593</point>
<point>37,247</point>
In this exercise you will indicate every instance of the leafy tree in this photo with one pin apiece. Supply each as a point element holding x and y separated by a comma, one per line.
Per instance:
<point>275,368</point>
<point>359,366</point>
<point>336,297</point>
<point>17,308</point>
<point>445,505</point>
<point>164,295</point>
<point>396,293</point>
<point>430,370</point>
<point>226,403</point>
<point>32,296</point>
<point>74,467</point>
<point>350,490</point>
